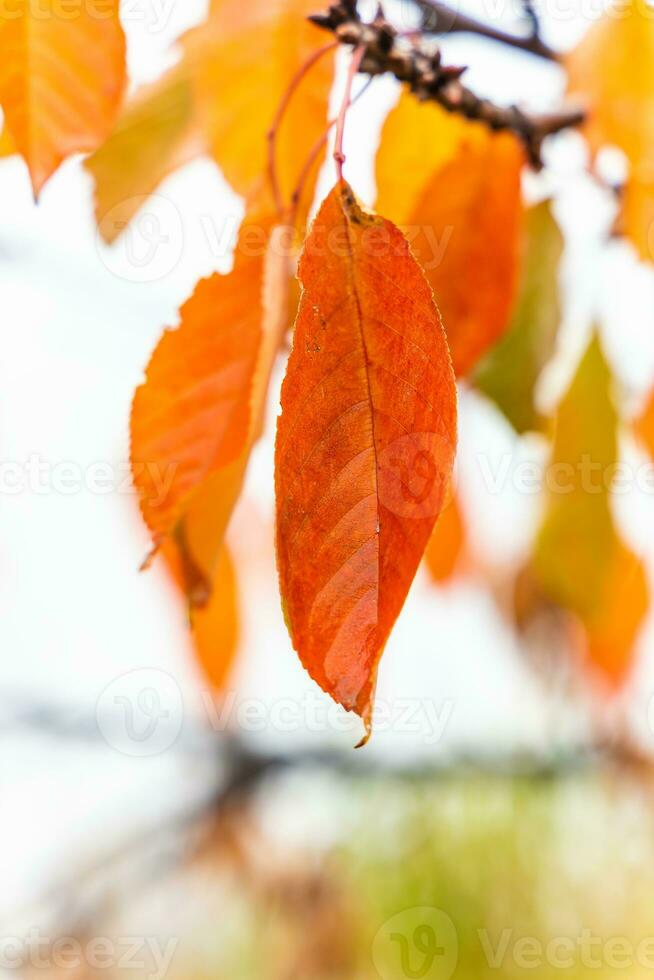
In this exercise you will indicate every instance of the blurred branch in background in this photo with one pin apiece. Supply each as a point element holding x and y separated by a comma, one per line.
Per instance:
<point>439,18</point>
<point>243,763</point>
<point>246,883</point>
<point>241,773</point>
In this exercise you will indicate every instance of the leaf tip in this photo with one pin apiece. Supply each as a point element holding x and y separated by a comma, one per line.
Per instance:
<point>157,541</point>
<point>367,732</point>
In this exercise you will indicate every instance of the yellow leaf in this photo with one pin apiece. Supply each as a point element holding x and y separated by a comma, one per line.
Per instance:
<point>418,139</point>
<point>576,542</point>
<point>462,216</point>
<point>61,78</point>
<point>580,562</point>
<point>243,59</point>
<point>612,70</point>
<point>508,374</point>
<point>155,134</point>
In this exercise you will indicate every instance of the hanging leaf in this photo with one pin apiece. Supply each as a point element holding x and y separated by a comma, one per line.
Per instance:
<point>200,409</point>
<point>644,425</point>
<point>612,69</point>
<point>156,134</point>
<point>580,562</point>
<point>61,79</point>
<point>418,138</point>
<point>263,45</point>
<point>636,218</point>
<point>446,549</point>
<point>575,545</point>
<point>365,445</point>
<point>192,415</point>
<point>611,631</point>
<point>461,210</point>
<point>7,148</point>
<point>214,626</point>
<point>509,373</point>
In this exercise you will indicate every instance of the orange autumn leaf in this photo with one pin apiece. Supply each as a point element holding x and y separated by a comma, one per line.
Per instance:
<point>475,200</point>
<point>61,79</point>
<point>636,218</point>
<point>446,547</point>
<point>207,517</point>
<point>7,148</point>
<point>192,414</point>
<point>461,210</point>
<point>214,625</point>
<point>612,70</point>
<point>365,445</point>
<point>612,630</point>
<point>644,425</point>
<point>262,44</point>
<point>155,134</point>
<point>199,411</point>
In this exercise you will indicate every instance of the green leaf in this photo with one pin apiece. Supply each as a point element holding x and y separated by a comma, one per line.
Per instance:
<point>574,550</point>
<point>580,562</point>
<point>509,373</point>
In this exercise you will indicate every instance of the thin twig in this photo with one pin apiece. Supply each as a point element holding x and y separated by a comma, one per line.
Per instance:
<point>420,67</point>
<point>531,15</point>
<point>317,147</point>
<point>439,18</point>
<point>355,64</point>
<point>280,113</point>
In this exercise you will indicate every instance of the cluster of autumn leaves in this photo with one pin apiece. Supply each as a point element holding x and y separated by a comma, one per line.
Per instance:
<point>367,434</point>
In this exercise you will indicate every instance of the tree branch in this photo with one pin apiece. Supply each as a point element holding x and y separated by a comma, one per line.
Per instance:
<point>438,18</point>
<point>419,66</point>
<point>237,764</point>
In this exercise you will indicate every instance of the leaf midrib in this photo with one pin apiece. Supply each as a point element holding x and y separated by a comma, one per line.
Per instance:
<point>364,346</point>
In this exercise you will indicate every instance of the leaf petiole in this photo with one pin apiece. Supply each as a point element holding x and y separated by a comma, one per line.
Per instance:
<point>355,64</point>
<point>279,116</point>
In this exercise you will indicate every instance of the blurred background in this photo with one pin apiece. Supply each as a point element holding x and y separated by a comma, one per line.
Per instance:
<point>500,820</point>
